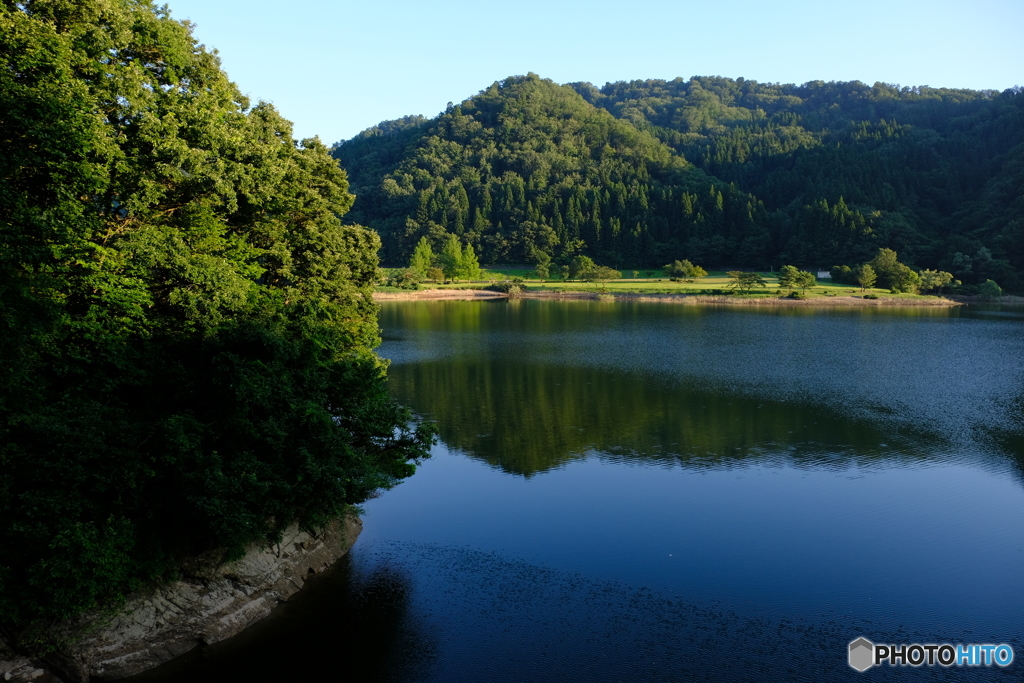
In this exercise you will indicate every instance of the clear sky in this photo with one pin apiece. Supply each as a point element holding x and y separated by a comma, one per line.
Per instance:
<point>336,68</point>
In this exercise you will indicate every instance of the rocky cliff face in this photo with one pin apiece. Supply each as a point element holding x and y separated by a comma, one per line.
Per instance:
<point>212,602</point>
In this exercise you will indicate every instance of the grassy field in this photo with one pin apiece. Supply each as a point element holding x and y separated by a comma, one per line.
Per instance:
<point>716,282</point>
<point>526,273</point>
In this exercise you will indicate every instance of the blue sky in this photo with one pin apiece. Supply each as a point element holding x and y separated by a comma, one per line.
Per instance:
<point>336,68</point>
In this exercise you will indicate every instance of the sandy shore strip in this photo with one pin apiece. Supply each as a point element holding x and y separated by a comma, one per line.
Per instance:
<point>474,294</point>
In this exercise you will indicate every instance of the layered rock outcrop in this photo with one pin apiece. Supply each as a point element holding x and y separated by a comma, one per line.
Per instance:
<point>211,602</point>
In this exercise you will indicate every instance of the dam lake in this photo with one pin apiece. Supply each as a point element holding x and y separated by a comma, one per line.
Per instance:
<point>664,492</point>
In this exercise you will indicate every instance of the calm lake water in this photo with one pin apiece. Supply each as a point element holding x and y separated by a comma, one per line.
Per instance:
<point>652,492</point>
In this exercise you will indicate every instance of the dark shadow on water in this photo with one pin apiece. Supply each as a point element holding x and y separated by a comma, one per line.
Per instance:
<point>343,621</point>
<point>507,621</point>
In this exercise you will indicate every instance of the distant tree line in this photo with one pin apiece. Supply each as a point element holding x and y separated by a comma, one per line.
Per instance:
<point>887,272</point>
<point>454,262</point>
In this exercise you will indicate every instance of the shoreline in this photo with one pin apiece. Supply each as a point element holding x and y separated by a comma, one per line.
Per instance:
<point>479,294</point>
<point>209,603</point>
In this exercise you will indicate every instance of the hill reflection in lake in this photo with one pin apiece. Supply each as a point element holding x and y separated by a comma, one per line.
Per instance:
<point>529,385</point>
<point>527,418</point>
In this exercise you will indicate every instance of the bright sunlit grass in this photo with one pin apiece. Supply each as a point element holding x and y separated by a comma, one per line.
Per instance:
<point>657,283</point>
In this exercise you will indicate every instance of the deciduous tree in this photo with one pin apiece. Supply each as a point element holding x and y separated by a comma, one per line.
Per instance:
<point>892,274</point>
<point>745,281</point>
<point>580,267</point>
<point>935,280</point>
<point>787,276</point>
<point>603,275</point>
<point>990,290</point>
<point>684,270</point>
<point>804,280</point>
<point>692,272</point>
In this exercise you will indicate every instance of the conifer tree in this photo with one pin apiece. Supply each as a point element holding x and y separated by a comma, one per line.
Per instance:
<point>866,276</point>
<point>451,258</point>
<point>470,266</point>
<point>422,257</point>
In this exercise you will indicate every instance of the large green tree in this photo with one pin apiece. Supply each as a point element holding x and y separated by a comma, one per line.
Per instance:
<point>932,280</point>
<point>604,275</point>
<point>684,270</point>
<point>892,274</point>
<point>794,278</point>
<point>186,326</point>
<point>788,276</point>
<point>805,280</point>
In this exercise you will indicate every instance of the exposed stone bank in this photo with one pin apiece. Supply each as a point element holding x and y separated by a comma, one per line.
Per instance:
<point>211,603</point>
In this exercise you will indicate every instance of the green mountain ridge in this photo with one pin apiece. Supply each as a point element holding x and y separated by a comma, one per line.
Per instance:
<point>720,171</point>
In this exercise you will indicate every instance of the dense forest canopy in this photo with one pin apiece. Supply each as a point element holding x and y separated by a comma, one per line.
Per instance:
<point>719,171</point>
<point>186,326</point>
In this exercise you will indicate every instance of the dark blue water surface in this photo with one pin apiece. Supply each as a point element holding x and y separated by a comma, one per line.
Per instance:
<point>652,492</point>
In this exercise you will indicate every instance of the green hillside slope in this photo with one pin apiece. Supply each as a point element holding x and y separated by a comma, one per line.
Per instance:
<point>715,170</point>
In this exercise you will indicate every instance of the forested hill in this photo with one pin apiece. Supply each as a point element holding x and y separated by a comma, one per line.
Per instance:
<point>715,170</point>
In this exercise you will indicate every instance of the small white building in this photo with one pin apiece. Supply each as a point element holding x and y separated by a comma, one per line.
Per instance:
<point>824,275</point>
